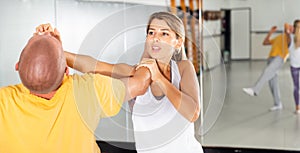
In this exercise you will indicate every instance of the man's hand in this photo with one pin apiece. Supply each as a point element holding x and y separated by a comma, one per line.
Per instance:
<point>47,29</point>
<point>273,29</point>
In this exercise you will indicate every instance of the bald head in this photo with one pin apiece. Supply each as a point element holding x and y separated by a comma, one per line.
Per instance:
<point>42,64</point>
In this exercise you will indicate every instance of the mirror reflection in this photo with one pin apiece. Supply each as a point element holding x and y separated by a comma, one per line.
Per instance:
<point>256,42</point>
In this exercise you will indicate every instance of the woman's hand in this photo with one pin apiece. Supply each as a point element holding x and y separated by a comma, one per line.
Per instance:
<point>47,29</point>
<point>151,64</point>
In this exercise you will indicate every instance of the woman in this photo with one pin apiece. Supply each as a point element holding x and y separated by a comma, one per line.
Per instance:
<point>294,49</point>
<point>163,117</point>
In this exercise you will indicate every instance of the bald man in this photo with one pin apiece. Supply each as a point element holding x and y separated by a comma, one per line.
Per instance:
<point>53,112</point>
<point>41,65</point>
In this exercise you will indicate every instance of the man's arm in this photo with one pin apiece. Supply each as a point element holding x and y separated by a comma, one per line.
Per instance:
<point>267,40</point>
<point>136,81</point>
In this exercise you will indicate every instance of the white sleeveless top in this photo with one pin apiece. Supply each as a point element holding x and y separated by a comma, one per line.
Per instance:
<point>294,53</point>
<point>159,127</point>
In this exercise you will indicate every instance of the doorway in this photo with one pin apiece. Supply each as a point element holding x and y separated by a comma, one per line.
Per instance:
<point>235,30</point>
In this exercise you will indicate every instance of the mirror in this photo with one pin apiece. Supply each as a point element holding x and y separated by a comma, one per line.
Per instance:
<point>237,39</point>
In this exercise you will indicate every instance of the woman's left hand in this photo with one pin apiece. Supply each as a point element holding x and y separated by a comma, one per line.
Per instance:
<point>151,64</point>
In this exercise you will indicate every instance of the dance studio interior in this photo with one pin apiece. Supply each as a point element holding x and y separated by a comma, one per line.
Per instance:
<point>224,41</point>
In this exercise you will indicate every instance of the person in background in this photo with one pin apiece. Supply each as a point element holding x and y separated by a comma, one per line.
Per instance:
<point>294,49</point>
<point>51,111</point>
<point>163,117</point>
<point>277,57</point>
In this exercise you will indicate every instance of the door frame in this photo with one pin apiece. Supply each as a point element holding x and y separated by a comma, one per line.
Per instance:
<point>250,27</point>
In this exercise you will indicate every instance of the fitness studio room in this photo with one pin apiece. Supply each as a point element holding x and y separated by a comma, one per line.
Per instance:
<point>243,66</point>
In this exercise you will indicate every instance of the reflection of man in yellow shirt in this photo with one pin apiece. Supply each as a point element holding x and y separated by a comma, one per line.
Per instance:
<point>279,46</point>
<point>52,112</point>
<point>277,56</point>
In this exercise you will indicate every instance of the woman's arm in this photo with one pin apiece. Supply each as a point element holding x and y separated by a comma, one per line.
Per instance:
<point>136,82</point>
<point>189,87</point>
<point>185,100</point>
<point>84,63</point>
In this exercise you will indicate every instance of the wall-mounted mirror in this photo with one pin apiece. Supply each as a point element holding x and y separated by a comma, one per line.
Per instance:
<point>237,39</point>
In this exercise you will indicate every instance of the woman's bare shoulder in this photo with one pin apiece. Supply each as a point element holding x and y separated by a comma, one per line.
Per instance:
<point>183,65</point>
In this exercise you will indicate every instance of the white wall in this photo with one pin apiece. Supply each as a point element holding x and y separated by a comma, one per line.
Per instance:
<point>264,14</point>
<point>259,51</point>
<point>212,34</point>
<point>18,22</point>
<point>212,51</point>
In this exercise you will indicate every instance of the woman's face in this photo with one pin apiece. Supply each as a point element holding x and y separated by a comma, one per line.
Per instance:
<point>161,41</point>
<point>297,28</point>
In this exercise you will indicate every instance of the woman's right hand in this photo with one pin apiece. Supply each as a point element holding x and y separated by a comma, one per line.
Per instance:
<point>151,64</point>
<point>47,29</point>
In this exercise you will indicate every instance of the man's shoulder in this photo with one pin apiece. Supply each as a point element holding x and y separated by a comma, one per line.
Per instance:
<point>11,87</point>
<point>6,91</point>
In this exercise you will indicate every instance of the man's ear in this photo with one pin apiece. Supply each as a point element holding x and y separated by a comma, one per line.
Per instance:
<point>67,70</point>
<point>17,66</point>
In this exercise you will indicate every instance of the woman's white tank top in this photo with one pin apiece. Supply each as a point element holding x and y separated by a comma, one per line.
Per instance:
<point>159,127</point>
<point>294,53</point>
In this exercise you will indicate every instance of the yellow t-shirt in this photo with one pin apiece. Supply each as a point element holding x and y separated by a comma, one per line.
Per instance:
<point>279,46</point>
<point>30,124</point>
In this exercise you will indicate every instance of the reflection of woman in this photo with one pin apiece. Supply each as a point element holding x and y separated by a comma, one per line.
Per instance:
<point>162,118</point>
<point>294,49</point>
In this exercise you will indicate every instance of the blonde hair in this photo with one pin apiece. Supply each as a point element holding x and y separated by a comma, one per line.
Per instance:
<point>297,34</point>
<point>176,25</point>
